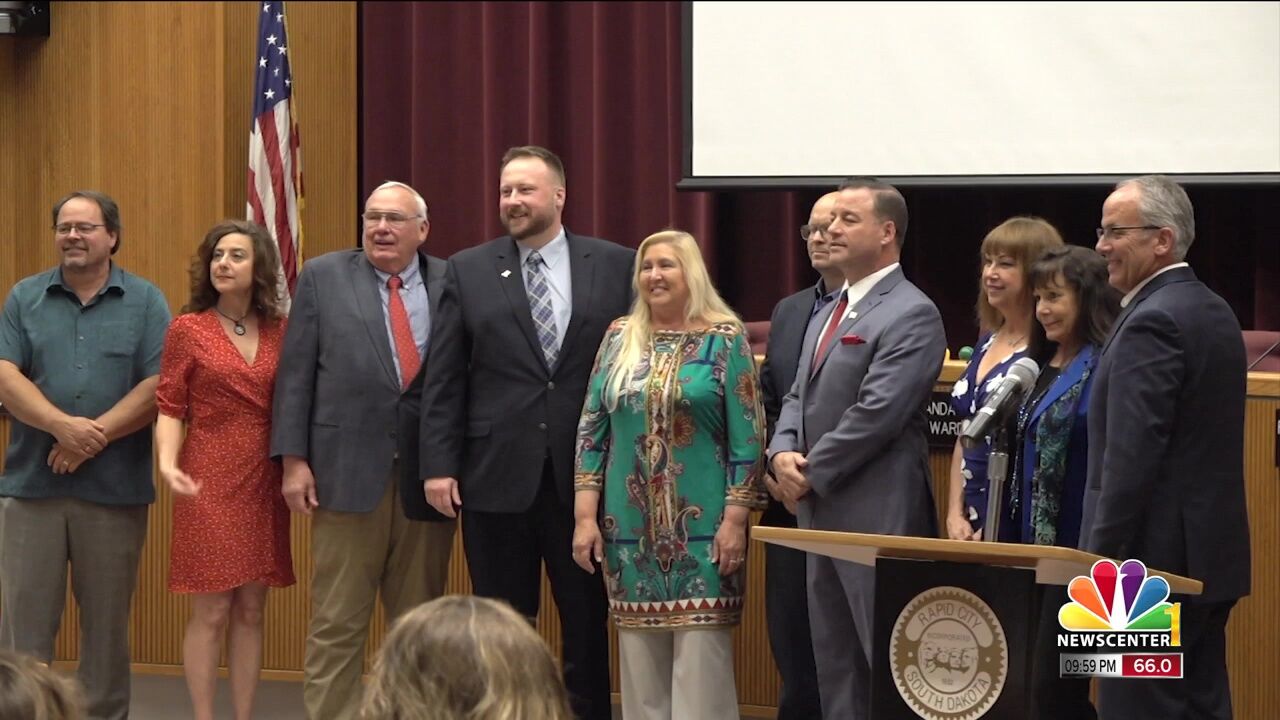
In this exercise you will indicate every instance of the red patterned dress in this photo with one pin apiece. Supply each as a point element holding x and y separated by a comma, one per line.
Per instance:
<point>236,530</point>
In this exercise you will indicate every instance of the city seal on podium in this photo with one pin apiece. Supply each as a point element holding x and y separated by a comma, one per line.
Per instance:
<point>947,655</point>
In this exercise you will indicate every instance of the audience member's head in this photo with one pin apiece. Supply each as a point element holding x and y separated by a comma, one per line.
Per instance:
<point>461,657</point>
<point>29,690</point>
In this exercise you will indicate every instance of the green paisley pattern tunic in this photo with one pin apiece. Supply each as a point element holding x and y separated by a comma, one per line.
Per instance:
<point>685,440</point>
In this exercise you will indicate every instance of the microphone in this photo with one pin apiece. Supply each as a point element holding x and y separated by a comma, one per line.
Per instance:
<point>1021,377</point>
<point>965,352</point>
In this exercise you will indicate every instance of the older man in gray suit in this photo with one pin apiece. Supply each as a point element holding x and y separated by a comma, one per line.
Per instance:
<point>345,416</point>
<point>850,445</point>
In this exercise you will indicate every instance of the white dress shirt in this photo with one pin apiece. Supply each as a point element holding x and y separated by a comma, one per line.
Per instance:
<point>854,292</point>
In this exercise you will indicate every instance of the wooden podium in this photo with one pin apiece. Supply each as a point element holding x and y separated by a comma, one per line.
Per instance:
<point>955,622</point>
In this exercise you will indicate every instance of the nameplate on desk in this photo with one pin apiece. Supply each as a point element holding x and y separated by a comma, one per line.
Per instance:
<point>944,423</point>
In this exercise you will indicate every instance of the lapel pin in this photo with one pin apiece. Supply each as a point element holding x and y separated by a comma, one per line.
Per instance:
<point>506,273</point>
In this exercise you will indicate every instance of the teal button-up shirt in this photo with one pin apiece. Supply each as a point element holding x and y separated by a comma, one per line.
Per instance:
<point>83,359</point>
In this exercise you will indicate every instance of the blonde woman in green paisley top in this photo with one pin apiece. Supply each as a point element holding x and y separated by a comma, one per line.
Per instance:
<point>671,438</point>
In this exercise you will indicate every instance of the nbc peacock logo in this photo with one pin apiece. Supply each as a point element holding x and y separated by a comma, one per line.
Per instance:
<point>1120,599</point>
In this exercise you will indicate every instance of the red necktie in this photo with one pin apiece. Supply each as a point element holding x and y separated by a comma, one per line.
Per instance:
<point>406,348</point>
<point>824,346</point>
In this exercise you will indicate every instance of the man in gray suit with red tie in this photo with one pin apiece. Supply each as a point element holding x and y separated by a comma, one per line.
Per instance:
<point>1166,442</point>
<point>350,370</point>
<point>520,322</point>
<point>850,443</point>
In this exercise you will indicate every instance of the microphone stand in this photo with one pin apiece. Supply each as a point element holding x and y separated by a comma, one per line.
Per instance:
<point>997,473</point>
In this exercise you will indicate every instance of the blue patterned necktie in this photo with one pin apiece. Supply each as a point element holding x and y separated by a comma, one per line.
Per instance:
<point>544,319</point>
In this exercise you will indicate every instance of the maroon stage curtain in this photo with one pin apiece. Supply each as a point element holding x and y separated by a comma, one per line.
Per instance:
<point>446,88</point>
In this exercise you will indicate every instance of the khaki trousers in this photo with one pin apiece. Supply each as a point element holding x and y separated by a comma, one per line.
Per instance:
<point>38,537</point>
<point>356,555</point>
<point>676,674</point>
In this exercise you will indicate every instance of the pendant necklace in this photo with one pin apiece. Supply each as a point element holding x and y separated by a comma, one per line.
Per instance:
<point>239,324</point>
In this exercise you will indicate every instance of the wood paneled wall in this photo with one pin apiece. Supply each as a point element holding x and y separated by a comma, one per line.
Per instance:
<point>1253,635</point>
<point>8,151</point>
<point>150,103</point>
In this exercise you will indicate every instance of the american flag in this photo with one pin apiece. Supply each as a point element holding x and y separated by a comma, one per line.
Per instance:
<point>275,166</point>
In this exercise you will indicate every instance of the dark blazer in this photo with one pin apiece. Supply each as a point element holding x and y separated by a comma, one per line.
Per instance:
<point>778,372</point>
<point>1166,438</point>
<point>1071,501</point>
<point>492,410</point>
<point>338,402</point>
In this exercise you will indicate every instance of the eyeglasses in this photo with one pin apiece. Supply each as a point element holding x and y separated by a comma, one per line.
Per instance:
<point>394,219</point>
<point>83,228</point>
<point>1118,230</point>
<point>807,230</point>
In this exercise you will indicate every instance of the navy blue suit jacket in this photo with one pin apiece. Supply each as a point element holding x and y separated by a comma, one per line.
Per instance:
<point>1166,438</point>
<point>1071,501</point>
<point>492,410</point>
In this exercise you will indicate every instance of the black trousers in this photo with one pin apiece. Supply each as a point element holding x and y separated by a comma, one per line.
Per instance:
<point>505,553</point>
<point>1204,691</point>
<point>1054,697</point>
<point>787,614</point>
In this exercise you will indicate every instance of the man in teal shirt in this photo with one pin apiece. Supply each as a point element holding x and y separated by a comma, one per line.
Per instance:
<point>80,352</point>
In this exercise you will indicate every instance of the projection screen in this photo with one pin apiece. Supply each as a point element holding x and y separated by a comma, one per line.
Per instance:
<point>798,93</point>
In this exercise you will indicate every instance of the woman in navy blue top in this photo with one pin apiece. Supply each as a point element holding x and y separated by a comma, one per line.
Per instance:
<point>1005,314</point>
<point>1075,307</point>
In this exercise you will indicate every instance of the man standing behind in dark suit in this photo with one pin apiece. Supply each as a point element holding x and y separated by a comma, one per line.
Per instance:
<point>1166,442</point>
<point>520,321</point>
<point>351,363</point>
<point>786,609</point>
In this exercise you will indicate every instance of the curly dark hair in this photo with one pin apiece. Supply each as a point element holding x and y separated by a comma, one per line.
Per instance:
<point>266,270</point>
<point>1085,272</point>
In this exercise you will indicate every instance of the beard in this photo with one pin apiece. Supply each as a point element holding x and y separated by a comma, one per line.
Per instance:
<point>529,224</point>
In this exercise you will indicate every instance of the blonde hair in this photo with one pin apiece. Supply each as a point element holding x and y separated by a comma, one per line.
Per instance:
<point>461,657</point>
<point>30,690</point>
<point>1025,239</point>
<point>705,307</point>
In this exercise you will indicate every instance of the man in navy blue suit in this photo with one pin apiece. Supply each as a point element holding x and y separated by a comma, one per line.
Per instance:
<point>1166,442</point>
<point>785,599</point>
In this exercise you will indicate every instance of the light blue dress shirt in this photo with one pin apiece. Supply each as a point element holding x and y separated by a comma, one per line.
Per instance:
<point>555,258</point>
<point>413,291</point>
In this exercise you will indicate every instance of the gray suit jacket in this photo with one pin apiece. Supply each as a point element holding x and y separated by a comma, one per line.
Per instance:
<point>1166,438</point>
<point>337,400</point>
<point>860,418</point>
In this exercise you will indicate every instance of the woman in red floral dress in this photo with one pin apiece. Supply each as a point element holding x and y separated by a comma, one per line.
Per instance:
<point>230,522</point>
